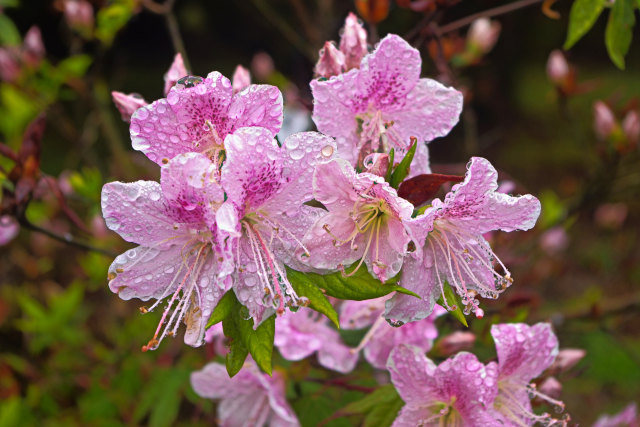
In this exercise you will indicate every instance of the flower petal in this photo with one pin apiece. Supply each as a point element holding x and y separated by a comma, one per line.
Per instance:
<point>175,73</point>
<point>419,278</point>
<point>257,105</point>
<point>324,253</point>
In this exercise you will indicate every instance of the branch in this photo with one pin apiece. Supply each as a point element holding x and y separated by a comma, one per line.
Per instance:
<point>166,9</point>
<point>489,13</point>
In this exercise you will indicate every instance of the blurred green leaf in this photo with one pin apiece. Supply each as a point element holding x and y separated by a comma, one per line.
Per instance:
<point>359,286</point>
<point>619,31</point>
<point>317,300</point>
<point>74,66</point>
<point>402,170</point>
<point>113,18</point>
<point>384,415</point>
<point>383,394</point>
<point>9,34</point>
<point>87,183</point>
<point>584,13</point>
<point>161,398</point>
<point>452,299</point>
<point>553,209</point>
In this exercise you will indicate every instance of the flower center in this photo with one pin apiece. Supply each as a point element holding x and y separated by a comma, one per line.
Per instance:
<point>377,134</point>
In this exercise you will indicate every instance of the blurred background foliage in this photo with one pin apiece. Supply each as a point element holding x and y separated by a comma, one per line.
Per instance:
<point>70,349</point>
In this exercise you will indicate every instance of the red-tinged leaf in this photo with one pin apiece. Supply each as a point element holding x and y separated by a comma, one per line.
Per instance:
<point>30,148</point>
<point>7,152</point>
<point>422,188</point>
<point>70,213</point>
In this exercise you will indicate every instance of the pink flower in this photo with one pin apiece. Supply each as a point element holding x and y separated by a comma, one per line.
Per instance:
<point>32,47</point>
<point>628,417</point>
<point>331,62</point>
<point>365,220</point>
<point>524,352</point>
<point>174,225</point>
<point>458,392</point>
<point>483,35</point>
<point>263,217</point>
<point>452,248</point>
<point>566,359</point>
<point>382,337</point>
<point>604,122</point>
<point>383,104</point>
<point>631,126</point>
<point>353,42</point>
<point>241,79</point>
<point>9,229</point>
<point>249,399</point>
<point>78,14</point>
<point>300,334</point>
<point>176,71</point>
<point>558,69</point>
<point>127,104</point>
<point>455,342</point>
<point>198,114</point>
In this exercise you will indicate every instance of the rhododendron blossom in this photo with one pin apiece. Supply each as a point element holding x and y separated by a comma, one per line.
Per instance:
<point>263,217</point>
<point>383,104</point>
<point>454,251</point>
<point>366,221</point>
<point>198,114</point>
<point>249,399</point>
<point>174,224</point>
<point>628,417</point>
<point>458,392</point>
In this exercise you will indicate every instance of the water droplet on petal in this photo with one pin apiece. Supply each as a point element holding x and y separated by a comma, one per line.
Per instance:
<point>327,151</point>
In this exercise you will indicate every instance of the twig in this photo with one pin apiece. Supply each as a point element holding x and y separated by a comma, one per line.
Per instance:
<point>489,13</point>
<point>340,382</point>
<point>64,238</point>
<point>166,9</point>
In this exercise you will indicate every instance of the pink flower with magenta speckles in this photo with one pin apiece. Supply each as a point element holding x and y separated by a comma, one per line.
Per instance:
<point>249,399</point>
<point>300,334</point>
<point>198,114</point>
<point>383,104</point>
<point>524,352</point>
<point>458,392</point>
<point>365,220</point>
<point>453,250</point>
<point>263,218</point>
<point>382,337</point>
<point>174,224</point>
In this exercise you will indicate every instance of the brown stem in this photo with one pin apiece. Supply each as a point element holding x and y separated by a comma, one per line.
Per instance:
<point>166,9</point>
<point>489,13</point>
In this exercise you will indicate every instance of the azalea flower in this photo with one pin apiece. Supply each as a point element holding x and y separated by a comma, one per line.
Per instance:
<point>198,114</point>
<point>383,104</point>
<point>453,250</point>
<point>173,222</point>
<point>300,334</point>
<point>249,399</point>
<point>353,47</point>
<point>524,352</point>
<point>382,337</point>
<point>365,220</point>
<point>458,392</point>
<point>628,417</point>
<point>263,217</point>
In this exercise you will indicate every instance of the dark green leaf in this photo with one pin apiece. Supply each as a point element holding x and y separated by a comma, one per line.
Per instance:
<point>452,300</point>
<point>384,415</point>
<point>317,300</point>
<point>401,172</point>
<point>619,31</point>
<point>583,15</point>
<point>238,351</point>
<point>392,155</point>
<point>223,309</point>
<point>359,286</point>
<point>9,34</point>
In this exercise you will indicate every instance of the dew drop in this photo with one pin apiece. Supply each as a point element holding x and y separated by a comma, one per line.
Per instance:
<point>327,151</point>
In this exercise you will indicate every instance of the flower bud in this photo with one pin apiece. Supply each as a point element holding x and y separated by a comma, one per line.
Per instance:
<point>604,122</point>
<point>331,61</point>
<point>9,229</point>
<point>241,79</point>
<point>353,42</point>
<point>377,163</point>
<point>32,47</point>
<point>9,67</point>
<point>611,215</point>
<point>554,240</point>
<point>78,14</point>
<point>454,343</point>
<point>262,66</point>
<point>175,73</point>
<point>558,68</point>
<point>373,11</point>
<point>551,387</point>
<point>566,359</point>
<point>631,127</point>
<point>483,35</point>
<point>127,104</point>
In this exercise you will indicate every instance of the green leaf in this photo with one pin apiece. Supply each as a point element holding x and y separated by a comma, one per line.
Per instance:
<point>223,309</point>
<point>359,286</point>
<point>452,300</point>
<point>238,351</point>
<point>74,66</point>
<point>392,155</point>
<point>401,172</point>
<point>384,394</point>
<point>619,31</point>
<point>317,300</point>
<point>383,415</point>
<point>9,34</point>
<point>583,15</point>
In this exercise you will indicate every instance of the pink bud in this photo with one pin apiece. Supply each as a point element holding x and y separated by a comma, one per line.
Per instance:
<point>604,121</point>
<point>557,68</point>
<point>33,49</point>
<point>483,34</point>
<point>611,215</point>
<point>331,61</point>
<point>551,387</point>
<point>241,79</point>
<point>566,359</point>
<point>631,126</point>
<point>9,67</point>
<point>262,66</point>
<point>377,163</point>
<point>353,42</point>
<point>554,240</point>
<point>9,229</point>
<point>127,104</point>
<point>175,73</point>
<point>78,14</point>
<point>454,343</point>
